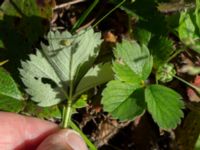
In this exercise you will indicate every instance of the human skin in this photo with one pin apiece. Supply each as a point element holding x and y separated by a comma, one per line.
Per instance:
<point>19,132</point>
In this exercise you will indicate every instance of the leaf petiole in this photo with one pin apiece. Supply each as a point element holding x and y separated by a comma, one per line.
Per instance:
<point>187,83</point>
<point>66,115</point>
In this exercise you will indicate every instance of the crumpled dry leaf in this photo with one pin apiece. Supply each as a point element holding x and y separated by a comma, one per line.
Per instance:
<point>192,94</point>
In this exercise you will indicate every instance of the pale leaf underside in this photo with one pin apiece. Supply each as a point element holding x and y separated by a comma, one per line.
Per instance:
<point>48,73</point>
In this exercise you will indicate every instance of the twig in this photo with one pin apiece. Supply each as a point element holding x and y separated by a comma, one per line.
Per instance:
<point>174,7</point>
<point>86,25</point>
<point>67,4</point>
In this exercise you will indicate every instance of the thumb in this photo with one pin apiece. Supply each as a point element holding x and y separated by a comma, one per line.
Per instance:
<point>64,139</point>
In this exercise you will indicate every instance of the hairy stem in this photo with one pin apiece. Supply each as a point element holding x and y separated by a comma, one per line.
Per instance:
<point>175,54</point>
<point>187,83</point>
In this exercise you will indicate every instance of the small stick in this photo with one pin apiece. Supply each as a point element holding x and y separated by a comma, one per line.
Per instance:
<point>86,25</point>
<point>67,4</point>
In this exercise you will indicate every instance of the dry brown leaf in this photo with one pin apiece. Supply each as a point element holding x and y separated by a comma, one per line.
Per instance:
<point>192,94</point>
<point>110,37</point>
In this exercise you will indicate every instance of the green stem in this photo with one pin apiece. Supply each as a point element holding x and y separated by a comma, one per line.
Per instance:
<point>87,141</point>
<point>66,115</point>
<point>68,109</point>
<point>174,55</point>
<point>187,83</point>
<point>117,6</point>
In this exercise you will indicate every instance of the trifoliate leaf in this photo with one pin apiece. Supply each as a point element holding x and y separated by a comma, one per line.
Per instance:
<point>188,32</point>
<point>95,76</point>
<point>136,57</point>
<point>120,100</point>
<point>10,96</point>
<point>48,73</point>
<point>161,50</point>
<point>124,73</point>
<point>165,105</point>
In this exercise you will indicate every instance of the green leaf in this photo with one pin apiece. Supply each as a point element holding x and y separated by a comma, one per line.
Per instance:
<point>1,44</point>
<point>33,74</point>
<point>26,8</point>
<point>42,112</point>
<point>10,104</point>
<point>188,32</point>
<point>136,57</point>
<point>8,86</point>
<point>97,75</point>
<point>142,36</point>
<point>69,60</point>
<point>120,100</point>
<point>81,102</point>
<point>161,50</point>
<point>10,96</point>
<point>48,73</point>
<point>197,13</point>
<point>22,25</point>
<point>126,6</point>
<point>146,14</point>
<point>124,73</point>
<point>197,145</point>
<point>165,106</point>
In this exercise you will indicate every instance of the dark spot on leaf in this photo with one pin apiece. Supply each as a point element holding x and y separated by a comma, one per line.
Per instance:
<point>49,81</point>
<point>140,58</point>
<point>36,78</point>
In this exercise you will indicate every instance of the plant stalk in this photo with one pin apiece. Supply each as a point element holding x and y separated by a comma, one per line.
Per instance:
<point>87,141</point>
<point>174,55</point>
<point>187,83</point>
<point>66,115</point>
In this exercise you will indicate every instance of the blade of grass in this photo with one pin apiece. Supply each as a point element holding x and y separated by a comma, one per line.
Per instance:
<point>3,62</point>
<point>84,16</point>
<point>117,6</point>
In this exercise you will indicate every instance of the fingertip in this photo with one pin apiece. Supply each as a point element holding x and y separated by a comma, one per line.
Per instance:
<point>64,139</point>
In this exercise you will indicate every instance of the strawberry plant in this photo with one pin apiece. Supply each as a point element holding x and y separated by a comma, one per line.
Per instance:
<point>130,94</point>
<point>63,70</point>
<point>133,61</point>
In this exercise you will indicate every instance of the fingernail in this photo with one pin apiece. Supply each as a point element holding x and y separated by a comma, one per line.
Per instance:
<point>74,140</point>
